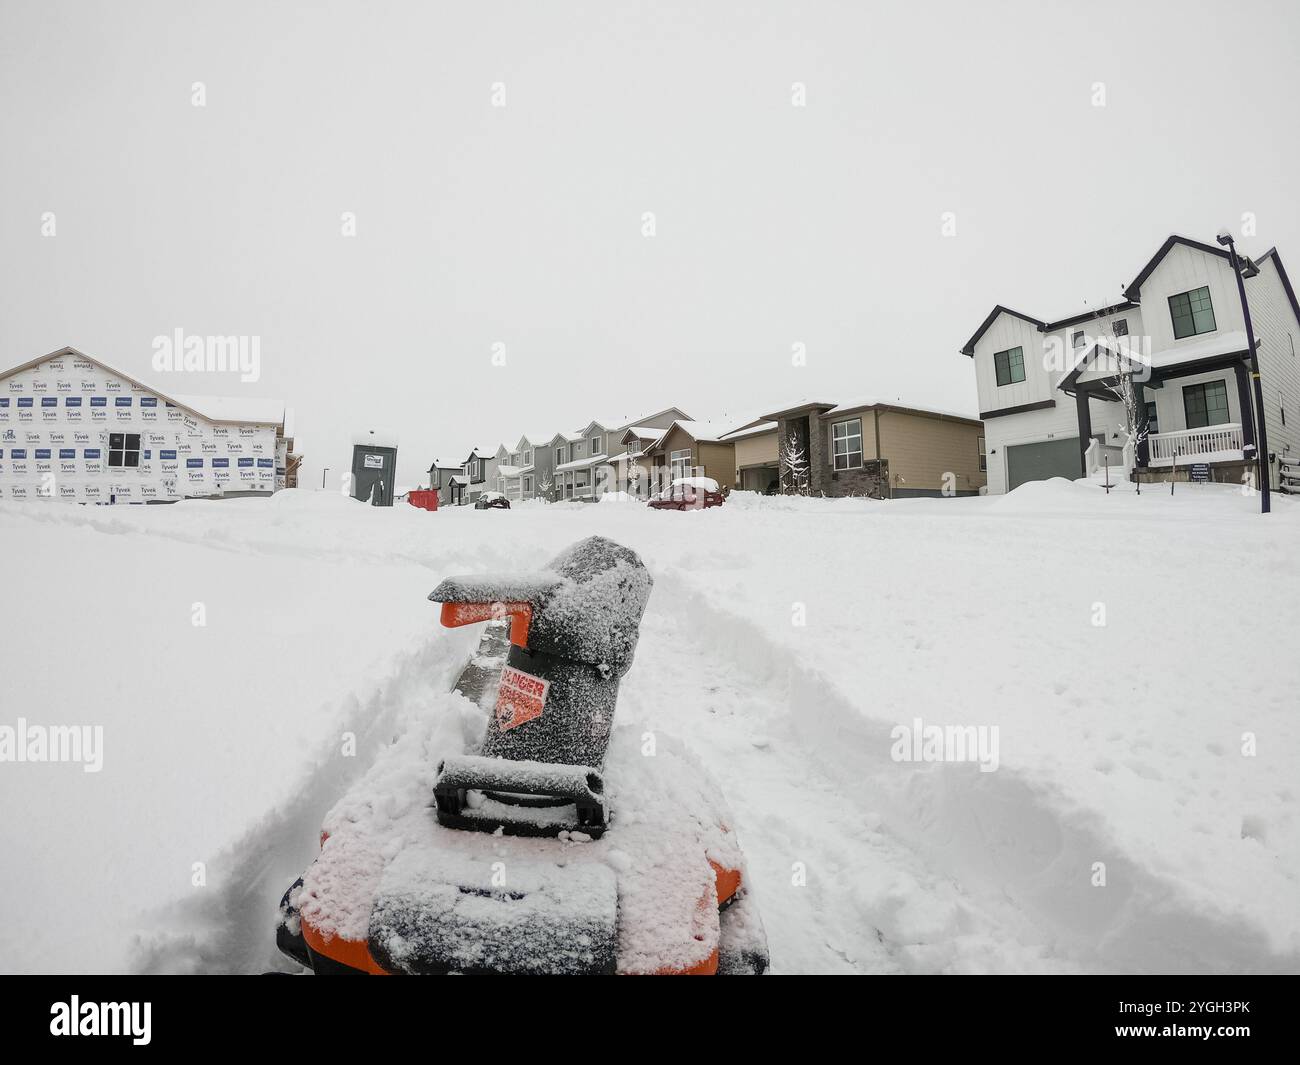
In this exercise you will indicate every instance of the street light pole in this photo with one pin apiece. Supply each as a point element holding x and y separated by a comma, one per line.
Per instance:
<point>322,477</point>
<point>1261,433</point>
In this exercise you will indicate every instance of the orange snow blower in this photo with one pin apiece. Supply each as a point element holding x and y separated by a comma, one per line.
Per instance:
<point>560,844</point>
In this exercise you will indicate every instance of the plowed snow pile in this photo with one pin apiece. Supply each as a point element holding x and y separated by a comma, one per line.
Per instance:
<point>1113,681</point>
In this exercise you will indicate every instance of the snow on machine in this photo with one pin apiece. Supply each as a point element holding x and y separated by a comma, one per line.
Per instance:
<point>561,844</point>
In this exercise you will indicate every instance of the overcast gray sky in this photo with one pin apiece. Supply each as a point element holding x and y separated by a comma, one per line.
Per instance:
<point>522,225</point>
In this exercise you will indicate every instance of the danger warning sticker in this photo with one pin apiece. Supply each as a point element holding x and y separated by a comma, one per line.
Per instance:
<point>520,698</point>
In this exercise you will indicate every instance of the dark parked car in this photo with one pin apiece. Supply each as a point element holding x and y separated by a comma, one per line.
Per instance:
<point>689,493</point>
<point>491,501</point>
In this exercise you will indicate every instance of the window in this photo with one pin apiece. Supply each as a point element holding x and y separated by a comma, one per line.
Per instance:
<point>1077,340</point>
<point>1119,327</point>
<point>984,458</point>
<point>595,445</point>
<point>1009,365</point>
<point>124,449</point>
<point>1192,312</point>
<point>1206,404</point>
<point>1153,422</point>
<point>528,485</point>
<point>559,456</point>
<point>680,462</point>
<point>580,479</point>
<point>528,457</point>
<point>632,447</point>
<point>846,444</point>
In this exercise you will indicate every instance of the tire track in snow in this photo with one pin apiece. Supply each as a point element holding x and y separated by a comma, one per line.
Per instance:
<point>949,869</point>
<point>866,902</point>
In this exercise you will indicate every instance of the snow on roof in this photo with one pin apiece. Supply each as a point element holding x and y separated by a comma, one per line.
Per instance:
<point>446,464</point>
<point>460,480</point>
<point>858,403</point>
<point>706,431</point>
<point>708,484</point>
<point>514,471</point>
<point>1179,354</point>
<point>252,409</point>
<point>1224,344</point>
<point>611,423</point>
<point>646,432</point>
<point>236,408</point>
<point>571,438</point>
<point>579,464</point>
<point>876,402</point>
<point>375,438</point>
<point>751,430</point>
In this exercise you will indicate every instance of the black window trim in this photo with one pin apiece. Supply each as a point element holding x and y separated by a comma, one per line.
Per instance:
<point>1204,387</point>
<point>1191,312</point>
<point>1011,378</point>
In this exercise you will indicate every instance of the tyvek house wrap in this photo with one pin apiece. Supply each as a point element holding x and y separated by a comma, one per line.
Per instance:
<point>57,420</point>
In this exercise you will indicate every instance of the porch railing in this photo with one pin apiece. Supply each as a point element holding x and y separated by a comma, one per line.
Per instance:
<point>1185,444</point>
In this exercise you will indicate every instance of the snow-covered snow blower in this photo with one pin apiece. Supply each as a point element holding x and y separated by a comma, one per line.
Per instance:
<point>560,844</point>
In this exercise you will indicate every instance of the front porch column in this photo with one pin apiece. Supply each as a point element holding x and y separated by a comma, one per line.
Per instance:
<point>1246,403</point>
<point>1085,429</point>
<point>1143,452</point>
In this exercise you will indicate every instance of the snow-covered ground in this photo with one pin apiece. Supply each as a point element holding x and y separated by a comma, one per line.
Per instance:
<point>784,640</point>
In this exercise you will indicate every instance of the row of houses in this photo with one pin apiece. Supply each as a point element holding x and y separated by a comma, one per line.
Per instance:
<point>859,447</point>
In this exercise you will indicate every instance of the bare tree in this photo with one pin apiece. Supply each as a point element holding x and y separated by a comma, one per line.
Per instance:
<point>794,465</point>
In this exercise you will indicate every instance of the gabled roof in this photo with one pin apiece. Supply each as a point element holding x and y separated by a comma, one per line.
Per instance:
<point>445,464</point>
<point>817,405</point>
<point>1134,290</point>
<point>1087,316</point>
<point>969,347</point>
<point>1209,352</point>
<point>622,421</point>
<point>700,432</point>
<point>753,429</point>
<point>222,410</point>
<point>1281,273</point>
<point>1132,294</point>
<point>568,438</point>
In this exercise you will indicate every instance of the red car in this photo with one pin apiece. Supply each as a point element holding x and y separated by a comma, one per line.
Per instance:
<point>689,493</point>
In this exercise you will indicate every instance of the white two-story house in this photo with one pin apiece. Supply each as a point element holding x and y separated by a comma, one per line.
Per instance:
<point>1048,395</point>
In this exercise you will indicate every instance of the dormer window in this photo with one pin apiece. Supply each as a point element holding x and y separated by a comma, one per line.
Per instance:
<point>1192,313</point>
<point>1009,366</point>
<point>528,457</point>
<point>1077,341</point>
<point>559,456</point>
<point>595,445</point>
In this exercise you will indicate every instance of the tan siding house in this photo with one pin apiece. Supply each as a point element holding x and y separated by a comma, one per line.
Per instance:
<point>923,449</point>
<point>883,450</point>
<point>757,457</point>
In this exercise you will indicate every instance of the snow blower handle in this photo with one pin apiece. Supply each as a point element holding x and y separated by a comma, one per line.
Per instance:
<point>470,600</point>
<point>520,615</point>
